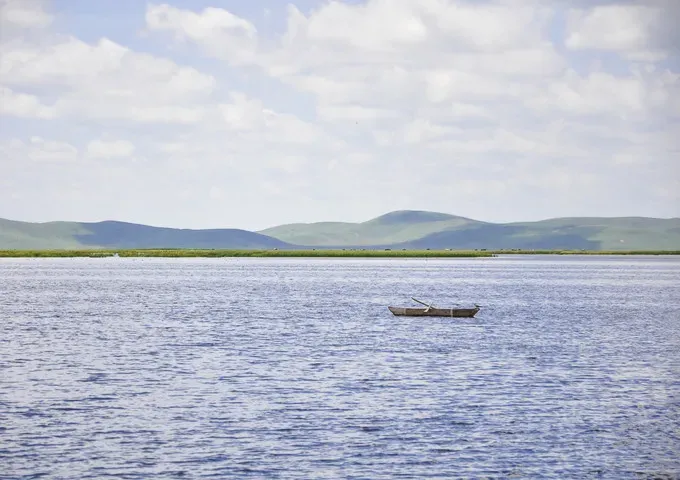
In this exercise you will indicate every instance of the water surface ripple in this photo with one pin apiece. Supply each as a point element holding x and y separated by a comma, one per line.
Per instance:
<point>294,368</point>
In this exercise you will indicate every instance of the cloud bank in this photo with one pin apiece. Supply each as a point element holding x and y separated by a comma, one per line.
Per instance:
<point>184,115</point>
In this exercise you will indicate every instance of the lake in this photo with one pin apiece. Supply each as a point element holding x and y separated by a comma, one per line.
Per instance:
<point>294,368</point>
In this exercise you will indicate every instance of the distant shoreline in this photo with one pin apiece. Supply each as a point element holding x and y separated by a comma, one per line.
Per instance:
<point>302,253</point>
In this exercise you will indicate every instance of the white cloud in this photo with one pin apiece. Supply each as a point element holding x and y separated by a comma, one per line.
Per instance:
<point>244,113</point>
<point>418,131</point>
<point>601,92</point>
<point>23,14</point>
<point>117,70</point>
<point>37,149</point>
<point>381,50</point>
<point>217,30</point>
<point>110,149</point>
<point>106,80</point>
<point>352,26</point>
<point>352,109</point>
<point>23,105</point>
<point>354,113</point>
<point>647,31</point>
<point>389,26</point>
<point>215,193</point>
<point>249,117</point>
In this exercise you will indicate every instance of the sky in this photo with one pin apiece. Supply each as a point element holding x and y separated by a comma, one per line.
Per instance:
<point>234,114</point>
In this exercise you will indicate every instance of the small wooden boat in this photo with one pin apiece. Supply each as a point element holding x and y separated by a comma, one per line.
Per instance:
<point>432,311</point>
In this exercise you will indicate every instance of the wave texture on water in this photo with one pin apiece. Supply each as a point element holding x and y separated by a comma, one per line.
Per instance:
<point>294,368</point>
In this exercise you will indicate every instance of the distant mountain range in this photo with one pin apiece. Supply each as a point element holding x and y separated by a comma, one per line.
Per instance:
<point>401,229</point>
<point>110,234</point>
<point>418,229</point>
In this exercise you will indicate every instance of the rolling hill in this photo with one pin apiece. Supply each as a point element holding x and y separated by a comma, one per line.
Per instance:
<point>418,229</point>
<point>389,229</point>
<point>110,234</point>
<point>407,229</point>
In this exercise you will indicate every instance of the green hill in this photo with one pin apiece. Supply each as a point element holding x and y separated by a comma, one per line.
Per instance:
<point>392,228</point>
<point>402,229</point>
<point>72,235</point>
<point>26,236</point>
<point>417,229</point>
<point>617,233</point>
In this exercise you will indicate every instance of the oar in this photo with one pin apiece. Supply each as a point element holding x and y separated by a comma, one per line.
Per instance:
<point>423,303</point>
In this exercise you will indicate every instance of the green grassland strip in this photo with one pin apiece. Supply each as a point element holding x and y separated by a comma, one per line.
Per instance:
<point>348,253</point>
<point>186,253</point>
<point>585,252</point>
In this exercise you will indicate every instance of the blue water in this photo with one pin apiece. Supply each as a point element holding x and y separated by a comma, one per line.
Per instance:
<point>294,368</point>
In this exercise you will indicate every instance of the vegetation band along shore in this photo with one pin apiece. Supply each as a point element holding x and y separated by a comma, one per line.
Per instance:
<point>349,253</point>
<point>242,253</point>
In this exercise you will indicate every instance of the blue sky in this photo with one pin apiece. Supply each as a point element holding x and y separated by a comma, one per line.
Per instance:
<point>206,114</point>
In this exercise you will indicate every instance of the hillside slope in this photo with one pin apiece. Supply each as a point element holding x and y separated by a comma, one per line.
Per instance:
<point>391,228</point>
<point>402,229</point>
<point>111,234</point>
<point>26,235</point>
<point>417,229</point>
<point>614,233</point>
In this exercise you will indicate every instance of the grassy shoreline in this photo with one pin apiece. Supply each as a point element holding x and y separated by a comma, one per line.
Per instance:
<point>348,253</point>
<point>217,253</point>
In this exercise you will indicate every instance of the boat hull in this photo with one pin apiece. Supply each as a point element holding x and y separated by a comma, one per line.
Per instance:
<point>434,312</point>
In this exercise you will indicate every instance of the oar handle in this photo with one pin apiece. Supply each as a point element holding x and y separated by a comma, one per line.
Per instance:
<point>423,303</point>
